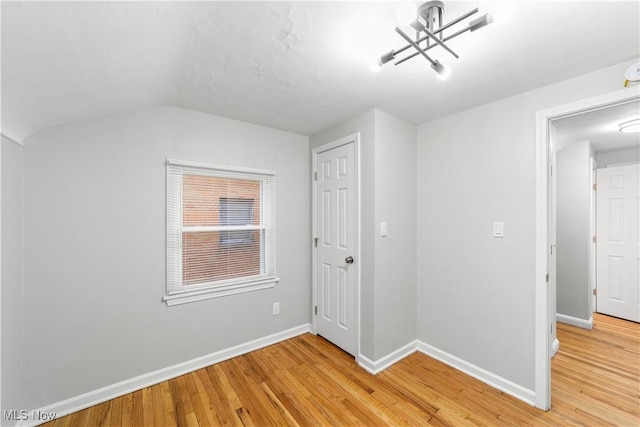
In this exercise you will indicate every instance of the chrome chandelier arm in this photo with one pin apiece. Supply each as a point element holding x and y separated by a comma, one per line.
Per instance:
<point>429,15</point>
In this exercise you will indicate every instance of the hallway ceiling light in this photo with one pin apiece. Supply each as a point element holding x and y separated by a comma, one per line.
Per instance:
<point>630,126</point>
<point>429,29</point>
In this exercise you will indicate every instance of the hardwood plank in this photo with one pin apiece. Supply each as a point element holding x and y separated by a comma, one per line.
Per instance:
<point>127,410</point>
<point>447,410</point>
<point>321,399</point>
<point>249,409</point>
<point>116,412</point>
<point>138,408</point>
<point>257,395</point>
<point>410,416</point>
<point>179,401</point>
<point>226,401</point>
<point>101,414</point>
<point>380,414</point>
<point>214,399</point>
<point>167,405</point>
<point>201,404</point>
<point>294,397</point>
<point>158,406</point>
<point>289,420</point>
<point>80,418</point>
<point>148,419</point>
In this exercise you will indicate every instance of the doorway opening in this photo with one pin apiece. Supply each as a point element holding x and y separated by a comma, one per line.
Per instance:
<point>596,225</point>
<point>545,256</point>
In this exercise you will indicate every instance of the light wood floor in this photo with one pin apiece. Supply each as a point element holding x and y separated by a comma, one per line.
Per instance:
<point>307,381</point>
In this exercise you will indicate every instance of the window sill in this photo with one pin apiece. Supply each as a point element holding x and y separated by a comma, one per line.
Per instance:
<point>188,296</point>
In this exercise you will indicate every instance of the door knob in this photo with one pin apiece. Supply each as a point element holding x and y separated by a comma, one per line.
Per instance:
<point>349,260</point>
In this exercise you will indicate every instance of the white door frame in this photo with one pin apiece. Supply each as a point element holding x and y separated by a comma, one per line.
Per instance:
<point>542,303</point>
<point>592,232</point>
<point>1,137</point>
<point>354,138</point>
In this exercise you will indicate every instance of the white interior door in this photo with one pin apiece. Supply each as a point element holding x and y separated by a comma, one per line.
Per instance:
<point>618,256</point>
<point>336,246</point>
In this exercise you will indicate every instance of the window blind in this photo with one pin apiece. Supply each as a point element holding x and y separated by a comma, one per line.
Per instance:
<point>220,226</point>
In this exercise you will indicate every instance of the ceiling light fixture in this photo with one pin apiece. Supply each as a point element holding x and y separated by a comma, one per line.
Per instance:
<point>430,33</point>
<point>630,126</point>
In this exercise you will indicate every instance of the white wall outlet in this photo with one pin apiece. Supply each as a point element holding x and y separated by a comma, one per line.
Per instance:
<point>276,308</point>
<point>498,229</point>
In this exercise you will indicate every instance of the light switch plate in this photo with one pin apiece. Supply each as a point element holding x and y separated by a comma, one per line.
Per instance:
<point>383,229</point>
<point>498,229</point>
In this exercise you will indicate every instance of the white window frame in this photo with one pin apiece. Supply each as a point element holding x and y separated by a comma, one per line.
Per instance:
<point>176,292</point>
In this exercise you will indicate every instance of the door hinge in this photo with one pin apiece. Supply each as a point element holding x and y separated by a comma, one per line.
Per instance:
<point>315,176</point>
<point>547,278</point>
<point>595,186</point>
<point>595,292</point>
<point>551,170</point>
<point>315,310</point>
<point>551,329</point>
<point>594,239</point>
<point>315,242</point>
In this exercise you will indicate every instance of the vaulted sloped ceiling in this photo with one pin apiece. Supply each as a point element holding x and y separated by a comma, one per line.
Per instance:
<point>296,66</point>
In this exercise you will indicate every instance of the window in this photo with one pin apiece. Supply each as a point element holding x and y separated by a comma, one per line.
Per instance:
<point>236,212</point>
<point>220,231</point>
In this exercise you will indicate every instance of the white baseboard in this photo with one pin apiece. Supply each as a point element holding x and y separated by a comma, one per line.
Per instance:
<point>388,360</point>
<point>574,321</point>
<point>489,378</point>
<point>103,394</point>
<point>493,380</point>
<point>556,347</point>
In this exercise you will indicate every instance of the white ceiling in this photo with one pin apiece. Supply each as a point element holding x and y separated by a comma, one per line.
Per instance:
<point>296,66</point>
<point>600,128</point>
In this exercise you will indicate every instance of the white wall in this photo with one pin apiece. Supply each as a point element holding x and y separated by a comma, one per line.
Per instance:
<point>94,196</point>
<point>395,255</point>
<point>12,279</point>
<point>630,155</point>
<point>476,292</point>
<point>388,183</point>
<point>573,230</point>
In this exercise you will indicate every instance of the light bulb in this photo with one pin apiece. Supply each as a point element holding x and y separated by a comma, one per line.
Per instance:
<point>389,56</point>
<point>445,74</point>
<point>443,71</point>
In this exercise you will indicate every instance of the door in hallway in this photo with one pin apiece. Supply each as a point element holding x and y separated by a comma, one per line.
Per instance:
<point>618,254</point>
